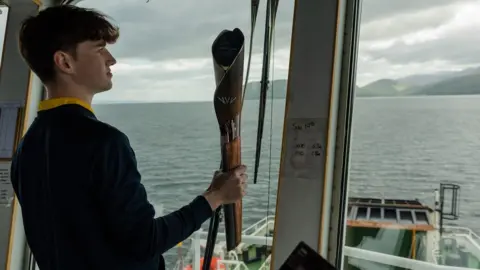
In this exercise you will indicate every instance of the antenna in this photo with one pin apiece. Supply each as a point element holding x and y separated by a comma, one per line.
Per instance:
<point>453,212</point>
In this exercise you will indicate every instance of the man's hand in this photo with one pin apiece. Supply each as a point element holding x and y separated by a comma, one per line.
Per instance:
<point>227,187</point>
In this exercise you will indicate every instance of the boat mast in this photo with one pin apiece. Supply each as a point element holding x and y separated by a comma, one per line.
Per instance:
<point>271,14</point>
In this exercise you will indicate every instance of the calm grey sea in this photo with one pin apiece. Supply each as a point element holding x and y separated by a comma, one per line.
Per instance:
<point>401,147</point>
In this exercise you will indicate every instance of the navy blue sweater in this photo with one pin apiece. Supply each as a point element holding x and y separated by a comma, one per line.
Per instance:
<point>83,205</point>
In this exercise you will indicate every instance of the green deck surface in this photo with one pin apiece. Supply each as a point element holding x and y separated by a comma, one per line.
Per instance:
<point>255,265</point>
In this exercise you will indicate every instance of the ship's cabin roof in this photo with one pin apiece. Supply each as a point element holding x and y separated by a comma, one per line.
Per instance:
<point>389,213</point>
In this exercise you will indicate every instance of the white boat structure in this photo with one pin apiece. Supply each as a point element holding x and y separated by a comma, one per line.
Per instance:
<point>381,234</point>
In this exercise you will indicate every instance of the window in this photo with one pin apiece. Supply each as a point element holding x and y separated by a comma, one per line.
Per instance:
<point>3,23</point>
<point>162,99</point>
<point>414,132</point>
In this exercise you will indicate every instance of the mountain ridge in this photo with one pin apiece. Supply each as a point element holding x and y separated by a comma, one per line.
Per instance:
<point>462,82</point>
<point>279,90</point>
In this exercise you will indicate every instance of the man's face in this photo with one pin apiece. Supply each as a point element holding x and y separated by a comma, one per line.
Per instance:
<point>92,66</point>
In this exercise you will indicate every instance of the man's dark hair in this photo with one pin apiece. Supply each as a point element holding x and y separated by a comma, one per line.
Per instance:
<point>61,28</point>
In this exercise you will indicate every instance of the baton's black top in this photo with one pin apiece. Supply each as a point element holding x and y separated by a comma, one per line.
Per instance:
<point>83,205</point>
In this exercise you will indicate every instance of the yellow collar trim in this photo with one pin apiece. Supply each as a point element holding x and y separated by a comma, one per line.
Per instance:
<point>57,102</point>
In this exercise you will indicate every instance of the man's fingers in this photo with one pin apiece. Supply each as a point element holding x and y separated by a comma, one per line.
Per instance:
<point>243,178</point>
<point>240,170</point>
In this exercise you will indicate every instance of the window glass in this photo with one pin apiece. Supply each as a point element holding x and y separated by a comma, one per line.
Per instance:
<point>3,26</point>
<point>162,99</point>
<point>415,135</point>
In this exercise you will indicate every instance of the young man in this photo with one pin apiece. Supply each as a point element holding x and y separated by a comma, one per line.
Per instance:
<point>75,177</point>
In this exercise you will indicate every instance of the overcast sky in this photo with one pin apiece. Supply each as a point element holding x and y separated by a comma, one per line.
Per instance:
<point>164,50</point>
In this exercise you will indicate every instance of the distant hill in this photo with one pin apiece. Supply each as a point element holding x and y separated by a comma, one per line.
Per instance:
<point>464,82</point>
<point>383,87</point>
<point>464,85</point>
<point>279,90</point>
<point>424,79</point>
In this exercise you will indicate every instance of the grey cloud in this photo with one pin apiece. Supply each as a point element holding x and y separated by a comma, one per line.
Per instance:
<point>459,47</point>
<point>378,9</point>
<point>160,75</point>
<point>138,87</point>
<point>161,30</point>
<point>166,30</point>
<point>391,27</point>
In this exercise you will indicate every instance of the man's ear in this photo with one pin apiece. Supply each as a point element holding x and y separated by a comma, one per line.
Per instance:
<point>64,62</point>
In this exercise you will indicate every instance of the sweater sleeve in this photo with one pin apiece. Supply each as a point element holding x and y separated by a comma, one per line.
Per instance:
<point>126,211</point>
